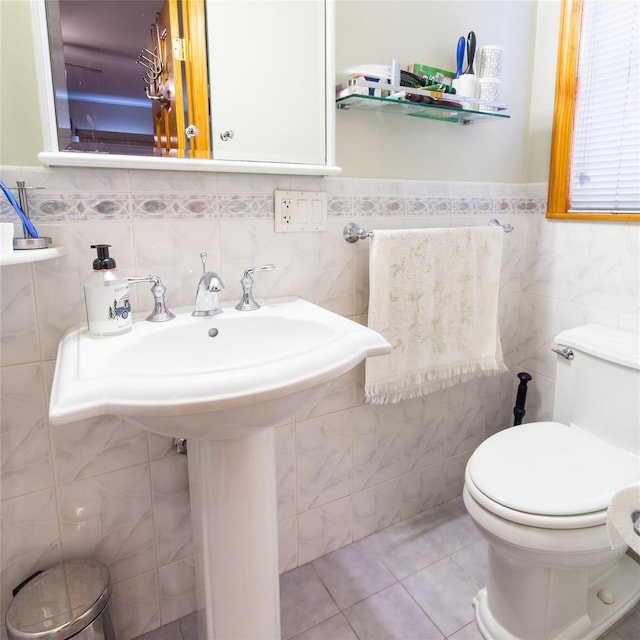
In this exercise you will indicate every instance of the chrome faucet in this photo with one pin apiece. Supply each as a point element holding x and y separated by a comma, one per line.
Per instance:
<point>247,303</point>
<point>210,285</point>
<point>160,312</point>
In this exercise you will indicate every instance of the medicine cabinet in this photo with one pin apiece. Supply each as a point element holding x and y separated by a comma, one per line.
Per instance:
<point>268,84</point>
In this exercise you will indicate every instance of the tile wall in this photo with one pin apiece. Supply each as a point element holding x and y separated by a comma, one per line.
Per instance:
<point>105,489</point>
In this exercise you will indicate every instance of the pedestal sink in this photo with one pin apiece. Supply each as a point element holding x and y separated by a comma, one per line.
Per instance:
<point>222,382</point>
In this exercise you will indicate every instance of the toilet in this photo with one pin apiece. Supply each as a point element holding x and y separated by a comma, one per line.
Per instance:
<point>539,494</point>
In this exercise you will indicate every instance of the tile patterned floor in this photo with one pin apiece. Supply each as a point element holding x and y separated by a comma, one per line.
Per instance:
<point>412,581</point>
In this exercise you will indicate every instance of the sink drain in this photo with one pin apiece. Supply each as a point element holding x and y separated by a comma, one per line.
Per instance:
<point>213,332</point>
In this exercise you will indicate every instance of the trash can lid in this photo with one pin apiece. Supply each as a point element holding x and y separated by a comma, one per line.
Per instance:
<point>59,602</point>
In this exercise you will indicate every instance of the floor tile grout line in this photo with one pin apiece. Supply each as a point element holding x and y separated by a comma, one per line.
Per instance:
<point>397,580</point>
<point>444,635</point>
<point>355,633</point>
<point>465,571</point>
<point>340,609</point>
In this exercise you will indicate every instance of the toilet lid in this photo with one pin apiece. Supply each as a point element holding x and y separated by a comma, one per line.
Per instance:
<point>548,468</point>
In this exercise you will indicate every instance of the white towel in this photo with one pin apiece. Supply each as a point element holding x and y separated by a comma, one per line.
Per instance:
<point>434,297</point>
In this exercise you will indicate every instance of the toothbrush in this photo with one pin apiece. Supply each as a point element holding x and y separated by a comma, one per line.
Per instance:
<point>28,225</point>
<point>460,56</point>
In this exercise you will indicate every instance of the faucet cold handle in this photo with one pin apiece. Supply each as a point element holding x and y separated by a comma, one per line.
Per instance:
<point>247,302</point>
<point>251,270</point>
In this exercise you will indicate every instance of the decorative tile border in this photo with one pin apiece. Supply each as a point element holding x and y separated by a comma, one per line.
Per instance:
<point>73,207</point>
<point>340,205</point>
<point>246,206</point>
<point>380,206</point>
<point>174,206</point>
<point>347,197</point>
<point>79,208</point>
<point>470,206</point>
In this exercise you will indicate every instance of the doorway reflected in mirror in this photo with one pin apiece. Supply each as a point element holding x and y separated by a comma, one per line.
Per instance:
<point>130,76</point>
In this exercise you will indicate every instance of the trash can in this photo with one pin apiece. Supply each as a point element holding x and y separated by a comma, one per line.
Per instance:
<point>70,600</point>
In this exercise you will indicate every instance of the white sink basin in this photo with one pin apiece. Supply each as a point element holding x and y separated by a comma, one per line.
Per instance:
<point>250,374</point>
<point>221,382</point>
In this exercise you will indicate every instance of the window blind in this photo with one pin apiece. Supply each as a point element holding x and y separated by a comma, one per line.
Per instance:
<point>605,170</point>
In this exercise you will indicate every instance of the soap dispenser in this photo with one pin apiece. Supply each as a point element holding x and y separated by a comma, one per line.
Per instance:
<point>106,296</point>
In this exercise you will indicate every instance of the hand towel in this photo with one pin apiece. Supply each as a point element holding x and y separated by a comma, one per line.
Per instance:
<point>434,297</point>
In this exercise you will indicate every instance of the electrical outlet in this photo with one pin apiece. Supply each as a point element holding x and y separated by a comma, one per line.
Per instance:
<point>286,211</point>
<point>300,210</point>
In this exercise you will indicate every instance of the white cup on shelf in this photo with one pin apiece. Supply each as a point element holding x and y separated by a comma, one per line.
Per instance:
<point>6,237</point>
<point>489,90</point>
<point>490,61</point>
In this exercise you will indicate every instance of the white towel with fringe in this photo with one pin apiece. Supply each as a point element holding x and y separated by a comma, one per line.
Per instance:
<point>434,297</point>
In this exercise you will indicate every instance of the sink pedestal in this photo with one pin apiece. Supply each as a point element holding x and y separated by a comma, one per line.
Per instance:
<point>235,524</point>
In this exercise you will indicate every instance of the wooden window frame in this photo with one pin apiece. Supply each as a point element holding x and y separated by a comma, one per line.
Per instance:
<point>563,110</point>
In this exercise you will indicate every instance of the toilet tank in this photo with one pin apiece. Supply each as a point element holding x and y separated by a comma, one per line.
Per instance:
<point>599,389</point>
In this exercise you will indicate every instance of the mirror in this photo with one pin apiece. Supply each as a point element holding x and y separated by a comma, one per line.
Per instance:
<point>189,84</point>
<point>100,62</point>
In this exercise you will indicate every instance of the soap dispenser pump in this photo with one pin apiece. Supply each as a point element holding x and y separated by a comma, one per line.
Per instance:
<point>106,296</point>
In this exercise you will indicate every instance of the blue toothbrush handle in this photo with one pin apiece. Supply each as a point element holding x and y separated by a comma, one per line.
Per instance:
<point>460,55</point>
<point>28,225</point>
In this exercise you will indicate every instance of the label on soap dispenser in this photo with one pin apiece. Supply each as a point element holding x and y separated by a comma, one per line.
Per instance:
<point>108,308</point>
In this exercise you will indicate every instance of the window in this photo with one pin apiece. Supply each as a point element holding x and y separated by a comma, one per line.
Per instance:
<point>595,146</point>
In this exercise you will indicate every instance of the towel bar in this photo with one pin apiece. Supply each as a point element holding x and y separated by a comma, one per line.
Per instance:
<point>353,232</point>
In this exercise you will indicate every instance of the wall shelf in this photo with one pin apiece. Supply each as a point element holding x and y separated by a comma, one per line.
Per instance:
<point>30,255</point>
<point>361,95</point>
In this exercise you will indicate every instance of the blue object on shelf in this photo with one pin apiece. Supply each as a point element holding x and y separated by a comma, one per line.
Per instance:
<point>28,225</point>
<point>460,56</point>
<point>371,79</point>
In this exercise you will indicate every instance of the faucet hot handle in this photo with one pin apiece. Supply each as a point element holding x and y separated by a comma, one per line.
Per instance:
<point>160,312</point>
<point>251,270</point>
<point>247,302</point>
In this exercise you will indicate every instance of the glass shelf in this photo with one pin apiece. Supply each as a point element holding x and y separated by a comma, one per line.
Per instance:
<point>355,95</point>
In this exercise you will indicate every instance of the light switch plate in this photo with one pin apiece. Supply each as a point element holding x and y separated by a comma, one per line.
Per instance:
<point>300,210</point>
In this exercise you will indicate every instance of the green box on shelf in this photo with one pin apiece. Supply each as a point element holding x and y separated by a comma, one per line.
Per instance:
<point>433,75</point>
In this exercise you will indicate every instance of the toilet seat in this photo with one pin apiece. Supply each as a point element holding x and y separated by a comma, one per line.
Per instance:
<point>549,475</point>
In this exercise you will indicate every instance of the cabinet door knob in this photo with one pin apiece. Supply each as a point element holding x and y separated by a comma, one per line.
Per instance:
<point>227,134</point>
